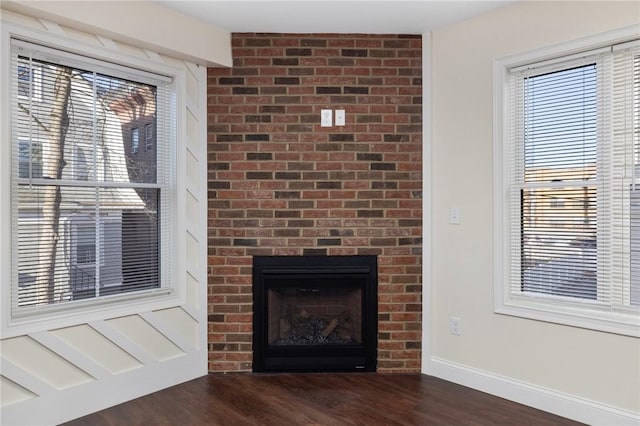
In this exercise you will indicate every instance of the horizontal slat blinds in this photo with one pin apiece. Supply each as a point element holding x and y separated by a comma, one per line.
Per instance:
<point>90,208</point>
<point>574,201</point>
<point>634,295</point>
<point>623,176</point>
<point>559,223</point>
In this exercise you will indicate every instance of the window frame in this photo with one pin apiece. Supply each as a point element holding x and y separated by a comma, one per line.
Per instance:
<point>173,291</point>
<point>555,309</point>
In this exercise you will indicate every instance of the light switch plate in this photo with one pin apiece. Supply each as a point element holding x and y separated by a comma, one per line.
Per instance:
<point>325,118</point>
<point>340,117</point>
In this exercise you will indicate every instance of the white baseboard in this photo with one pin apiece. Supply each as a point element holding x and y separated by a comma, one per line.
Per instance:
<point>562,404</point>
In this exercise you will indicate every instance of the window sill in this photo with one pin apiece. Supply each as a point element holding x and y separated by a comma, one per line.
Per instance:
<point>592,319</point>
<point>88,311</point>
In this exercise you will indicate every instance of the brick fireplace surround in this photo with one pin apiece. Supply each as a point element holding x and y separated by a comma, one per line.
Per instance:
<point>279,184</point>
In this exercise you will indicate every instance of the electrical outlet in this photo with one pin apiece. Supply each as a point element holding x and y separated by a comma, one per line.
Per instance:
<point>454,216</point>
<point>455,326</point>
<point>340,117</point>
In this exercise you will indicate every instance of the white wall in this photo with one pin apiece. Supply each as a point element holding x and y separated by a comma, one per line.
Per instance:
<point>51,374</point>
<point>496,352</point>
<point>143,24</point>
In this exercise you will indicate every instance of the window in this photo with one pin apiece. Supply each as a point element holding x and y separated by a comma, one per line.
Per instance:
<point>29,81</point>
<point>87,227</point>
<point>79,164</point>
<point>558,142</point>
<point>29,159</point>
<point>148,137</point>
<point>568,216</point>
<point>135,140</point>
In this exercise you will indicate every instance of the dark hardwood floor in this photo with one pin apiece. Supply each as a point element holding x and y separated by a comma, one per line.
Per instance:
<point>320,399</point>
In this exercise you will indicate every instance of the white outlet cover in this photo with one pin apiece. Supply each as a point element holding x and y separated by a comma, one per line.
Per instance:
<point>454,216</point>
<point>455,326</point>
<point>340,117</point>
<point>326,118</point>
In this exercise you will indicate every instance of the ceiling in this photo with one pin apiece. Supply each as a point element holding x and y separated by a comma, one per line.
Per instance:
<point>333,16</point>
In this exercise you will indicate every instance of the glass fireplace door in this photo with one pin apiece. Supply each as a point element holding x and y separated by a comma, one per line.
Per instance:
<point>305,314</point>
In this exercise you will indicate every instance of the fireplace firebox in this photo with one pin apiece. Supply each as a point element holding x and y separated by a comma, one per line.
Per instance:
<point>314,313</point>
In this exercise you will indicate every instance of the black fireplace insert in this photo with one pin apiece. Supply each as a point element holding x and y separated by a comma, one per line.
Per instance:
<point>314,313</point>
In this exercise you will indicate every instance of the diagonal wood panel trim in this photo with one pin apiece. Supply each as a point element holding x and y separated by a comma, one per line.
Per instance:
<point>70,354</point>
<point>97,348</point>
<point>13,393</point>
<point>123,342</point>
<point>168,331</point>
<point>26,379</point>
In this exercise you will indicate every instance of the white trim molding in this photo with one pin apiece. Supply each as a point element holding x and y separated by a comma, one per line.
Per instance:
<point>559,403</point>
<point>427,170</point>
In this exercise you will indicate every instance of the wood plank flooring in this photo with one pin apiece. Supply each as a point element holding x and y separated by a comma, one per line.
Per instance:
<point>320,399</point>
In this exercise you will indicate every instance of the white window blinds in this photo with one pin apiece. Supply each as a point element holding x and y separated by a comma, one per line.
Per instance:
<point>574,210</point>
<point>91,217</point>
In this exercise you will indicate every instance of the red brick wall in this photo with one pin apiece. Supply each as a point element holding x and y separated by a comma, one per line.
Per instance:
<point>279,184</point>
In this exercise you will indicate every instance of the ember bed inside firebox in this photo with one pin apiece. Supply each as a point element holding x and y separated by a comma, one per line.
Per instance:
<point>314,313</point>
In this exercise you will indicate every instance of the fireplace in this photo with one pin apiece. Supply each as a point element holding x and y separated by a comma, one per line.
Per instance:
<point>314,313</point>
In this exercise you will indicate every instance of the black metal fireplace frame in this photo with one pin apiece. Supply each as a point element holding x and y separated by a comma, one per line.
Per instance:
<point>315,358</point>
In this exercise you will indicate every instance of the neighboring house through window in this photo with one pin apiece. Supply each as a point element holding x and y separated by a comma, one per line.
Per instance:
<point>567,204</point>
